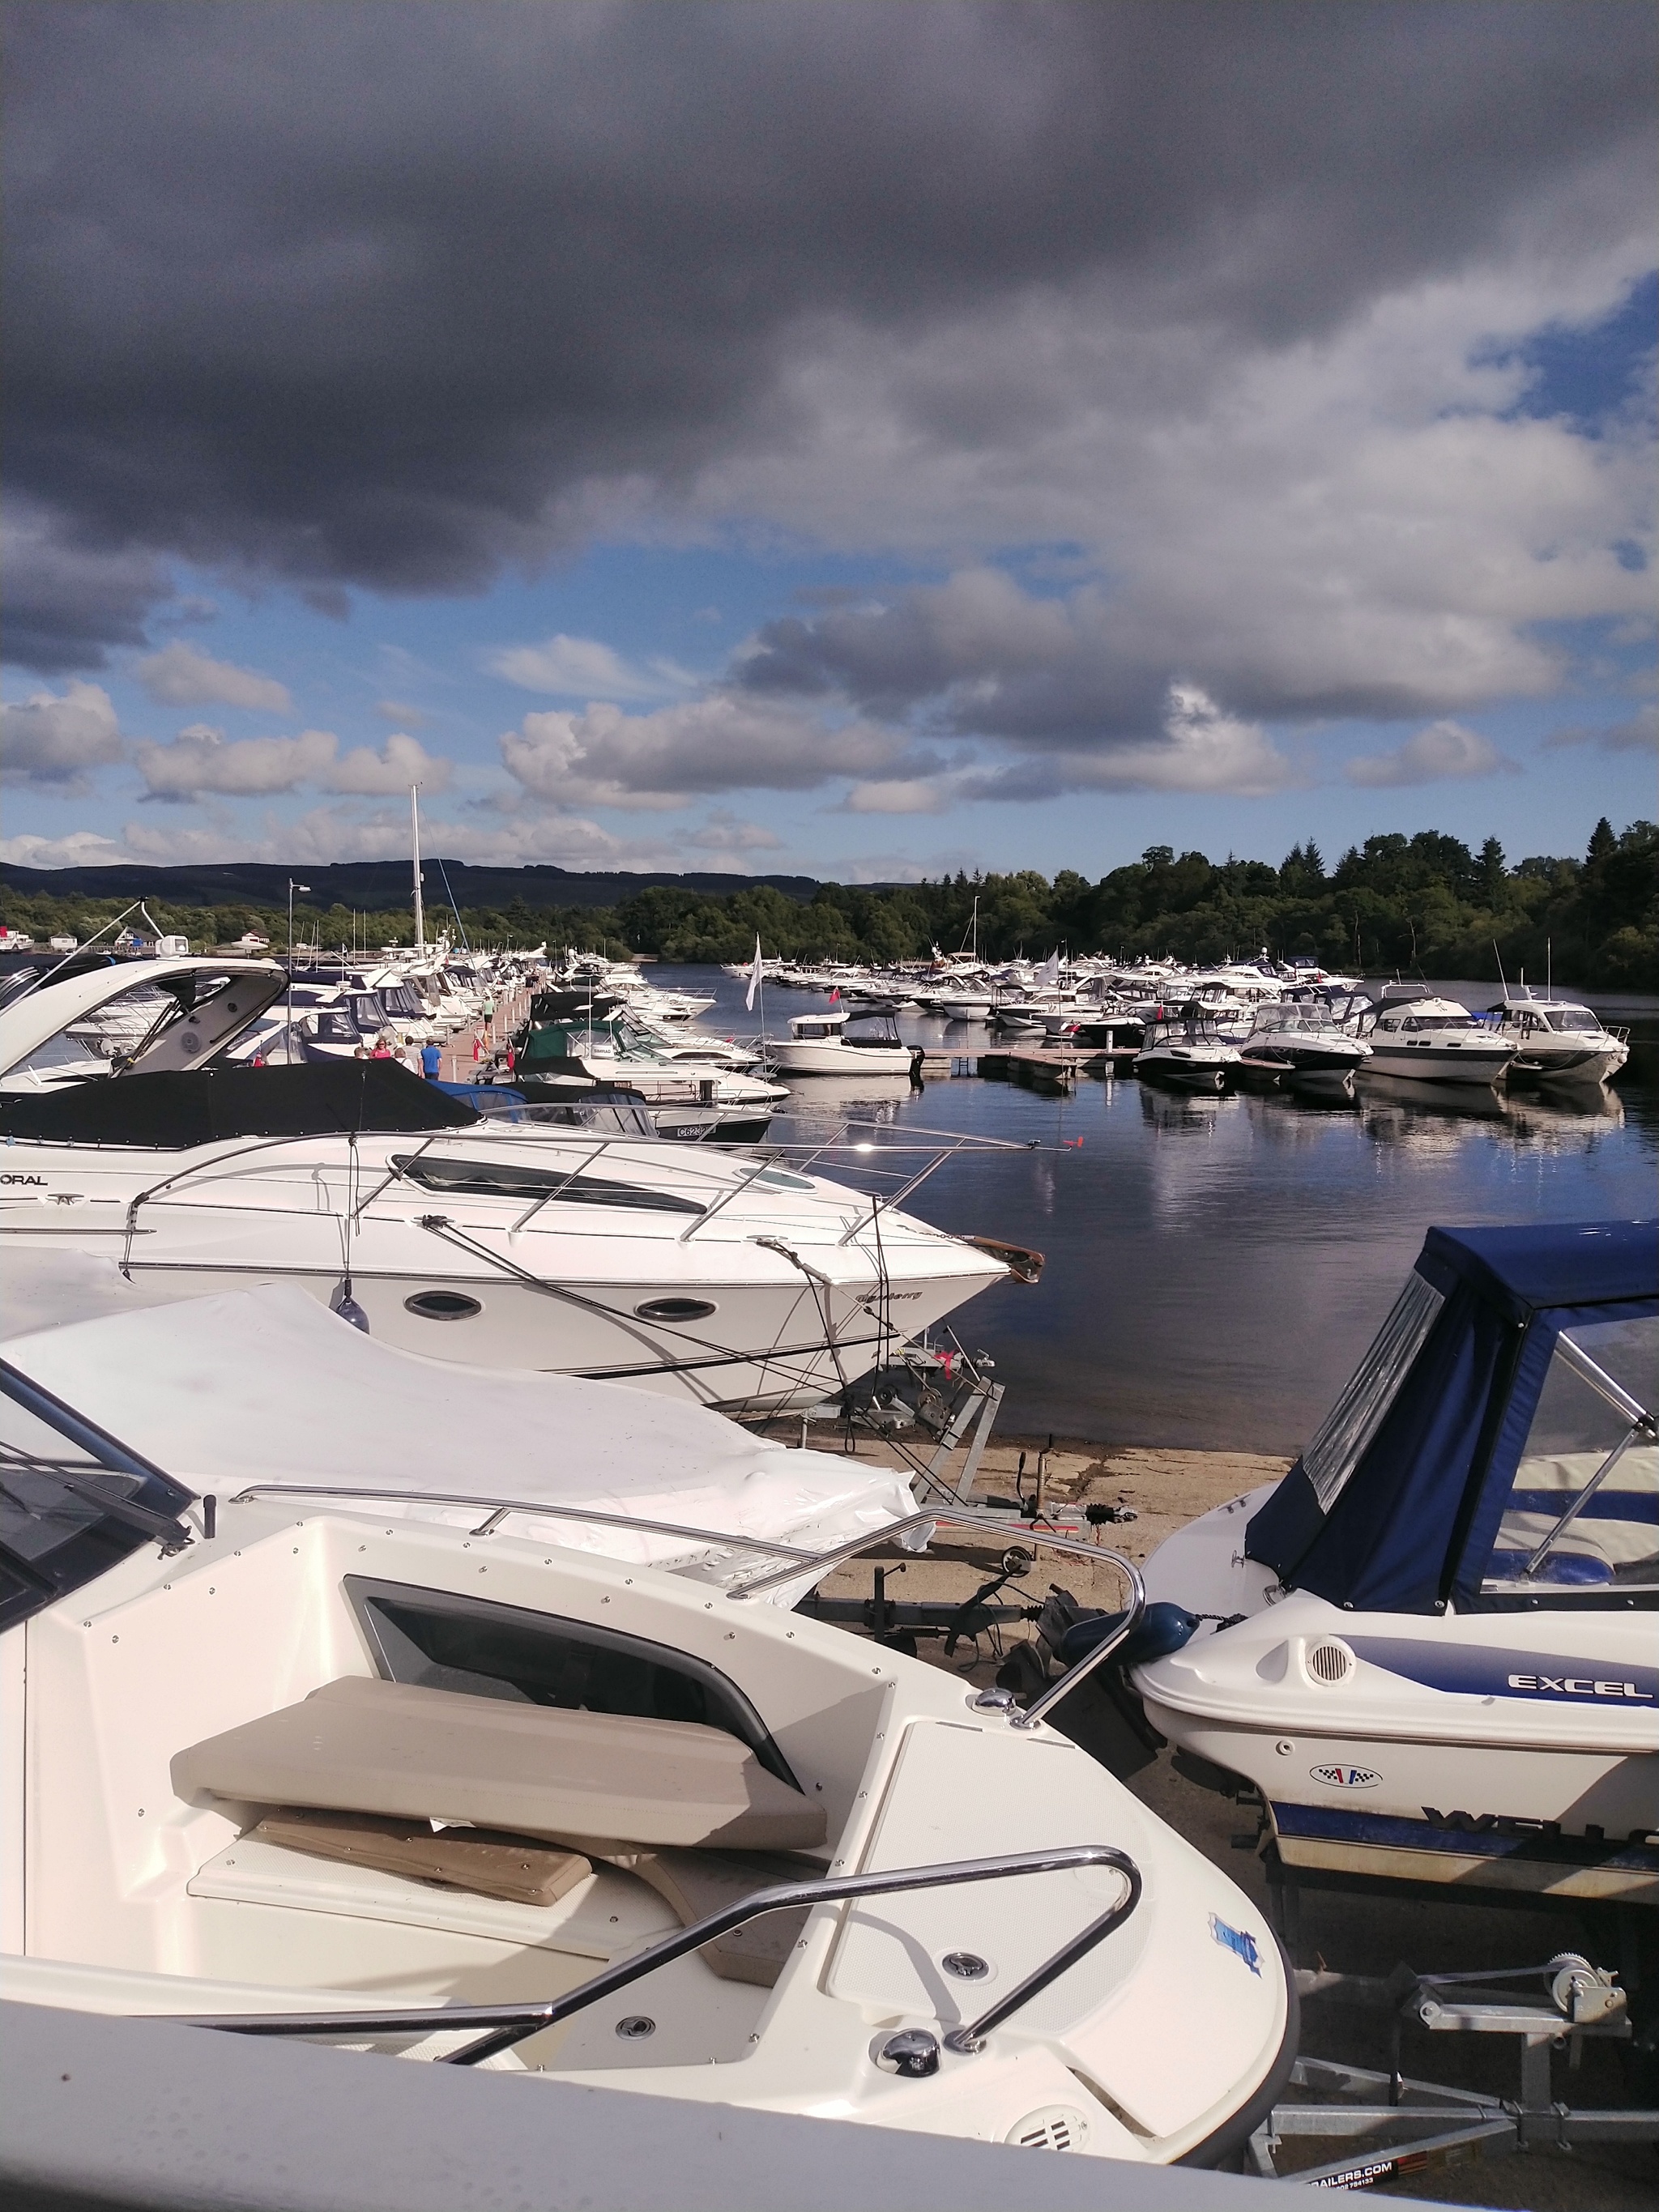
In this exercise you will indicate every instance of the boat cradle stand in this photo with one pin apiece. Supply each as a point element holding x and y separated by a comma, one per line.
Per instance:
<point>1393,2126</point>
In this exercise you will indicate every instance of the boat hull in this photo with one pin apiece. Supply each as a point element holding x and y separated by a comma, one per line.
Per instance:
<point>1431,1749</point>
<point>828,1056</point>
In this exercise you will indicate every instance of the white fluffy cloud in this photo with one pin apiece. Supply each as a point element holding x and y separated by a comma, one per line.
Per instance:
<point>585,668</point>
<point>181,675</point>
<point>1442,753</point>
<point>53,738</point>
<point>722,832</point>
<point>81,849</point>
<point>721,742</point>
<point>201,761</point>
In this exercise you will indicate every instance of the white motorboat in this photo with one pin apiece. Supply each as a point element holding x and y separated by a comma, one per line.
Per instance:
<point>502,1244</point>
<point>298,1766</point>
<point>1184,1051</point>
<point>1309,1042</point>
<point>1431,1649</point>
<point>616,1053</point>
<point>1430,1040</point>
<point>1558,1041</point>
<point>846,1045</point>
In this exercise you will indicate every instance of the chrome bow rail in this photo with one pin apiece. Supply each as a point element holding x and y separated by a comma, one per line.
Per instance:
<point>942,1518</point>
<point>501,2026</point>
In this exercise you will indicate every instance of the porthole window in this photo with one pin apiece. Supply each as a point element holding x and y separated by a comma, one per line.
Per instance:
<point>674,1310</point>
<point>443,1305</point>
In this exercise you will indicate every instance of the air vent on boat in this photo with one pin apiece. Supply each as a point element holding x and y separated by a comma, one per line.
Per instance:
<point>1330,1662</point>
<point>1051,2127</point>
<point>674,1310</point>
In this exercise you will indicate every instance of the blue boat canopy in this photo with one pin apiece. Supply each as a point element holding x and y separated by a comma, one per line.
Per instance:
<point>1397,1503</point>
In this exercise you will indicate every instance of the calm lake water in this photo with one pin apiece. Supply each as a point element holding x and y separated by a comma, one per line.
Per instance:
<point>1215,1266</point>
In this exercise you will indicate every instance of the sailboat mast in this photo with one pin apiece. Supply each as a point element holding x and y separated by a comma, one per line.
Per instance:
<point>415,848</point>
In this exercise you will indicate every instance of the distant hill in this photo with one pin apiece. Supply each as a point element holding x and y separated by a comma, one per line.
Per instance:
<point>376,886</point>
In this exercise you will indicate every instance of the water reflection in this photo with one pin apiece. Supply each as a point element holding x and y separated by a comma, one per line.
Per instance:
<point>819,1098</point>
<point>1215,1266</point>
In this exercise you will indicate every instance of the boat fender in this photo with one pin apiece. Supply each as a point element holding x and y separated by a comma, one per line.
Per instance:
<point>1163,1628</point>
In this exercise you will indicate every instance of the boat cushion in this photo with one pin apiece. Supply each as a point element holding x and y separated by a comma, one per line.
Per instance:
<point>695,1883</point>
<point>484,1861</point>
<point>360,1745</point>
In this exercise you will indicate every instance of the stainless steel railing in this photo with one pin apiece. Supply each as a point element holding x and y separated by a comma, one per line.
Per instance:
<point>942,1518</point>
<point>501,2026</point>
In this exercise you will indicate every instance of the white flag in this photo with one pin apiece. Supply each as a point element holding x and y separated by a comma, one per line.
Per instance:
<point>1049,974</point>
<point>753,976</point>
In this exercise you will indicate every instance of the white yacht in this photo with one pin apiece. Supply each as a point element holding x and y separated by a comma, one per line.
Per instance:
<point>1433,1040</point>
<point>298,1766</point>
<point>1310,1041</point>
<point>617,1052</point>
<point>493,1242</point>
<point>822,1044</point>
<point>1558,1041</point>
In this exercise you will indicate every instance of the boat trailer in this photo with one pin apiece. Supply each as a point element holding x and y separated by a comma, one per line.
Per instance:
<point>1392,2126</point>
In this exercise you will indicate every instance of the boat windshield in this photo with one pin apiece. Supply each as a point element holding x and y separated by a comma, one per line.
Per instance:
<point>66,1513</point>
<point>1583,1512</point>
<point>1433,1022</point>
<point>502,1178</point>
<point>1567,1017</point>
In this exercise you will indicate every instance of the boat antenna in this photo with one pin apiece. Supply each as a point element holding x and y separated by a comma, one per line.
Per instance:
<point>1498,956</point>
<point>1549,967</point>
<point>414,854</point>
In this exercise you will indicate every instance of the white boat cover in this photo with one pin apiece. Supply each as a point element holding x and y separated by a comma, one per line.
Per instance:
<point>266,1385</point>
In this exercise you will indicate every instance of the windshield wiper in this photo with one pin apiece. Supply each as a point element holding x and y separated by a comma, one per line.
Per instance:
<point>170,1534</point>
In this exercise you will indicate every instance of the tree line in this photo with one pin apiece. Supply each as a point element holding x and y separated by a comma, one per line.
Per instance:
<point>1426,904</point>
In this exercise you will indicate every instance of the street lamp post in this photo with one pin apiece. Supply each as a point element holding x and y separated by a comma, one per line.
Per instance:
<point>292,887</point>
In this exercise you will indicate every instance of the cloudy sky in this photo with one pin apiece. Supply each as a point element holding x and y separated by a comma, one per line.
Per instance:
<point>838,435</point>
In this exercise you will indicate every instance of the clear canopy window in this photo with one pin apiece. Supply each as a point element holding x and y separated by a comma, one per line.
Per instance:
<point>1583,1512</point>
<point>1346,1431</point>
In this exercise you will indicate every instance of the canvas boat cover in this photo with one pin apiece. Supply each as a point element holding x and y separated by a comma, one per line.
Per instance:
<point>268,1386</point>
<point>1395,1505</point>
<point>174,1110</point>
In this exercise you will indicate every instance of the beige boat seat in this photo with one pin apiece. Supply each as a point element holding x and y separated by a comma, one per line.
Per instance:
<point>361,1745</point>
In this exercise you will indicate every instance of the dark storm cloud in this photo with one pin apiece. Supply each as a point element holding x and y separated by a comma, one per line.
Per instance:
<point>369,294</point>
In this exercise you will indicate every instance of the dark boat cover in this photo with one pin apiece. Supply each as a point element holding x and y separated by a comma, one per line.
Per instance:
<point>176,1109</point>
<point>1412,1525</point>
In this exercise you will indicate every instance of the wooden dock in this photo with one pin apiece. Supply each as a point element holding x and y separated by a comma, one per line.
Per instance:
<point>1039,1068</point>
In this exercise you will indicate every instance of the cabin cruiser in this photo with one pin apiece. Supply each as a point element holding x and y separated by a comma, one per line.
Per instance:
<point>1558,1041</point>
<point>823,1044</point>
<point>735,1282</point>
<point>1431,1649</point>
<point>1432,1039</point>
<point>1309,1043</point>
<point>616,1051</point>
<point>296,1765</point>
<point>1183,1050</point>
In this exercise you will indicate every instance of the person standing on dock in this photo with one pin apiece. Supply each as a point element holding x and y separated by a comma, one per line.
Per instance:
<point>431,1061</point>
